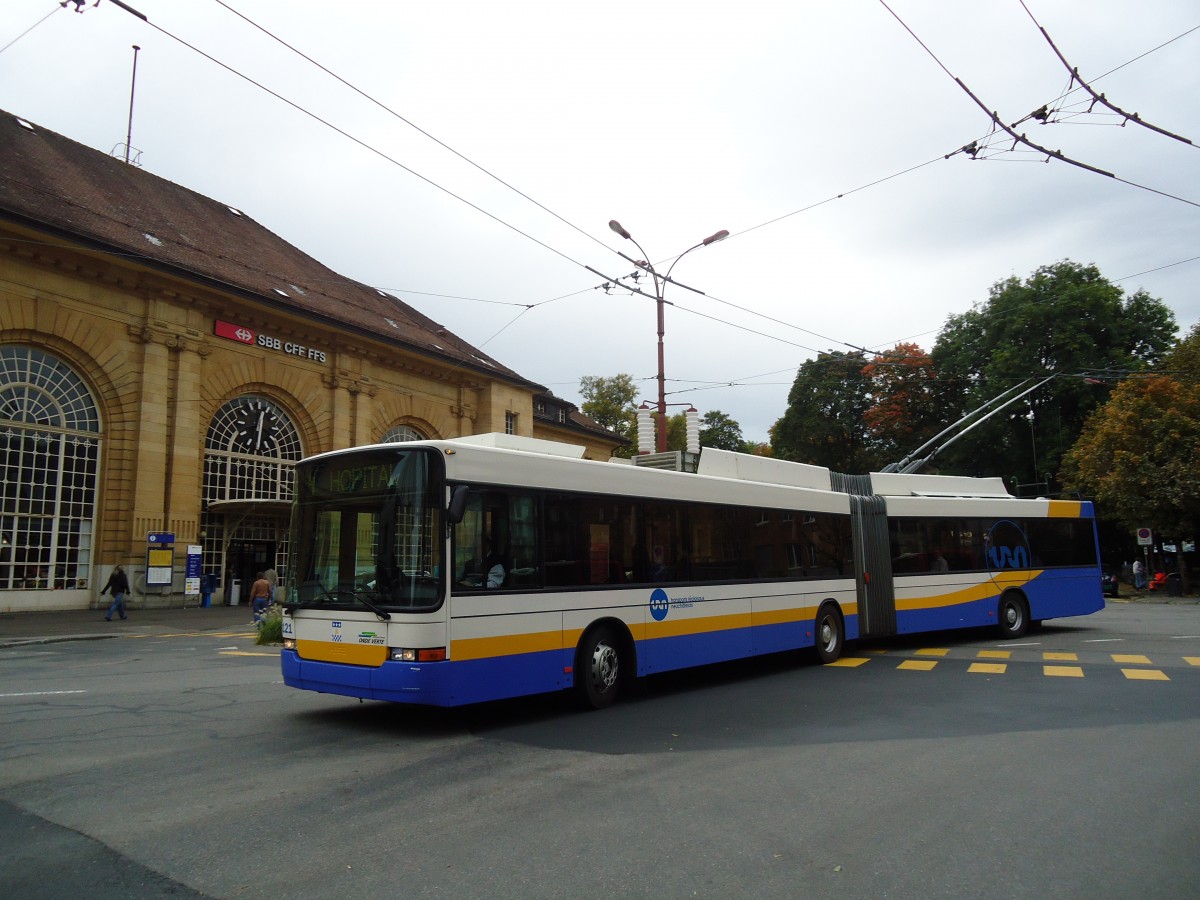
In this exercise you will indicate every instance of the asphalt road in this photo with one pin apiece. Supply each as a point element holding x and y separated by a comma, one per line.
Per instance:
<point>179,766</point>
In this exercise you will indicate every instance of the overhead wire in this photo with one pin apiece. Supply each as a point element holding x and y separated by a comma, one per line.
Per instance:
<point>362,143</point>
<point>33,26</point>
<point>1021,138</point>
<point>410,123</point>
<point>1098,98</point>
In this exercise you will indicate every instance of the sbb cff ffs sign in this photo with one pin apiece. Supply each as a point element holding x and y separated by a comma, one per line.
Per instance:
<point>243,335</point>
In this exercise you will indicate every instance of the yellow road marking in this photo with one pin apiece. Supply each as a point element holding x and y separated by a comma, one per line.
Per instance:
<point>920,665</point>
<point>1062,657</point>
<point>994,654</point>
<point>1145,675</point>
<point>988,668</point>
<point>1192,660</point>
<point>1135,658</point>
<point>932,651</point>
<point>245,653</point>
<point>1063,671</point>
<point>849,662</point>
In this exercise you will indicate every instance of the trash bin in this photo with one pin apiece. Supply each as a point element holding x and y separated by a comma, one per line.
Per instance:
<point>1174,585</point>
<point>235,588</point>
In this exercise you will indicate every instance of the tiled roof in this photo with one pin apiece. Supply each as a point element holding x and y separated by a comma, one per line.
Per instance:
<point>575,419</point>
<point>59,186</point>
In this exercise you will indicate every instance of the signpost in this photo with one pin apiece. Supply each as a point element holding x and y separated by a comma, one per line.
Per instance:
<point>160,558</point>
<point>191,581</point>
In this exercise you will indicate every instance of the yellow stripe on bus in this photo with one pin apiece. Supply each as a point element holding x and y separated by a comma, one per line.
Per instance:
<point>352,654</point>
<point>982,591</point>
<point>505,645</point>
<point>1065,509</point>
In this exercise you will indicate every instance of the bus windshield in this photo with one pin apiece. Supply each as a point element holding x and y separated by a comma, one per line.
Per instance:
<point>364,531</point>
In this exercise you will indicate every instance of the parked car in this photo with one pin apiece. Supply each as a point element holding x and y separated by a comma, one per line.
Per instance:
<point>1110,581</point>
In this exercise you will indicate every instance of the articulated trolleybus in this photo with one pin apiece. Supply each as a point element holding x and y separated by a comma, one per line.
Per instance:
<point>460,571</point>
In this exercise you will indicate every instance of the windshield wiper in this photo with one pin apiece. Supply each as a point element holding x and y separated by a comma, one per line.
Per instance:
<point>382,613</point>
<point>336,596</point>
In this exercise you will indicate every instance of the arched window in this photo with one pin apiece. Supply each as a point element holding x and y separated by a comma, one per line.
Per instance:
<point>402,433</point>
<point>250,452</point>
<point>250,456</point>
<point>49,460</point>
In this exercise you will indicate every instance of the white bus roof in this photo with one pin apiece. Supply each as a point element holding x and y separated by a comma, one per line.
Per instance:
<point>895,484</point>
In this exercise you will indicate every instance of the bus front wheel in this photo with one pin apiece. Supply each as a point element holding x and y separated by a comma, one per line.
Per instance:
<point>598,669</point>
<point>830,633</point>
<point>1013,617</point>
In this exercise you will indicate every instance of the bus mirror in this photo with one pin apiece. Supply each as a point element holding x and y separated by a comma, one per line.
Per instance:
<point>458,504</point>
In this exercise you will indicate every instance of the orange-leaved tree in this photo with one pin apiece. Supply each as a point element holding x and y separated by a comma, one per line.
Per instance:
<point>1137,455</point>
<point>904,411</point>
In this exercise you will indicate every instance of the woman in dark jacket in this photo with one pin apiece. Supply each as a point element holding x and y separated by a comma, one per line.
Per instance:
<point>118,583</point>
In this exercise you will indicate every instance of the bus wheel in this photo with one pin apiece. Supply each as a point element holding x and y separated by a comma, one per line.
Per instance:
<point>598,669</point>
<point>1013,618</point>
<point>831,633</point>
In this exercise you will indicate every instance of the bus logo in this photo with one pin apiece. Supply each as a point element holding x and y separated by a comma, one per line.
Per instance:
<point>659,604</point>
<point>1007,547</point>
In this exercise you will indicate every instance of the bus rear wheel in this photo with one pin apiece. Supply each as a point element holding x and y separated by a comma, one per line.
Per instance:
<point>830,633</point>
<point>1013,615</point>
<point>598,669</point>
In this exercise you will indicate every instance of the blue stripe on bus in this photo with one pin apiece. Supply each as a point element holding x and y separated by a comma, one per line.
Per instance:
<point>455,683</point>
<point>439,683</point>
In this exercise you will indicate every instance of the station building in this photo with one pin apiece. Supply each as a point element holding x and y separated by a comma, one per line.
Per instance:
<point>165,361</point>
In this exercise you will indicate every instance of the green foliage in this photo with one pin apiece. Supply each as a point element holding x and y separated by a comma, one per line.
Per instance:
<point>610,402</point>
<point>1183,362</point>
<point>1065,318</point>
<point>824,422</point>
<point>719,430</point>
<point>270,629</point>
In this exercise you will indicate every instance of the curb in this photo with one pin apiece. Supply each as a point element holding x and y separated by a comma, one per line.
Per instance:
<point>55,639</point>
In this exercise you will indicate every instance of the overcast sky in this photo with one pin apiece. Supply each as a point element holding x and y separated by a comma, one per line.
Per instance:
<point>815,132</point>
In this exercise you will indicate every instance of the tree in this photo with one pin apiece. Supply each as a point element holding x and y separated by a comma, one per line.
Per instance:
<point>1065,319</point>
<point>720,431</point>
<point>823,424</point>
<point>1137,456</point>
<point>904,412</point>
<point>1183,362</point>
<point>609,401</point>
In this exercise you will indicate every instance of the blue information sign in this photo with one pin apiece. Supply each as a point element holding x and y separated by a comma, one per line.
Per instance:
<point>160,537</point>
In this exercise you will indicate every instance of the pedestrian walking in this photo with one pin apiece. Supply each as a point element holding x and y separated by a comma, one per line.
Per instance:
<point>273,579</point>
<point>260,597</point>
<point>1139,575</point>
<point>118,585</point>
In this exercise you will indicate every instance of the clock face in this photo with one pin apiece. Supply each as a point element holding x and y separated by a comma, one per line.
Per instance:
<point>257,428</point>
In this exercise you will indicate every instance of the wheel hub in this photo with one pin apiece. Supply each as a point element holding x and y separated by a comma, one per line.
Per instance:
<point>604,666</point>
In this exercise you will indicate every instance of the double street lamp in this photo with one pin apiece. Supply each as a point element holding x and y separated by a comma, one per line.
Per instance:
<point>660,285</point>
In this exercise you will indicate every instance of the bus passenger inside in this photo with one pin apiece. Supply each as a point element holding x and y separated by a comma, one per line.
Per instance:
<point>488,571</point>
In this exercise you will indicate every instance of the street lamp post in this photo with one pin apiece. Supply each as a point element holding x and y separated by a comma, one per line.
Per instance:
<point>660,284</point>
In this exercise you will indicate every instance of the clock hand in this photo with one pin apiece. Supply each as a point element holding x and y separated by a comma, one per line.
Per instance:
<point>258,439</point>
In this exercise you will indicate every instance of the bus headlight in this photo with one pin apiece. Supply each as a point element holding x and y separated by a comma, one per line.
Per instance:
<point>289,643</point>
<point>412,654</point>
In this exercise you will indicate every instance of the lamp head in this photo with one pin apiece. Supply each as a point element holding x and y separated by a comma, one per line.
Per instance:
<point>713,238</point>
<point>616,226</point>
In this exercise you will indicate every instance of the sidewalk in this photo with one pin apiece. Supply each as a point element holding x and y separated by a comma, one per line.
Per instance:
<point>23,628</point>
